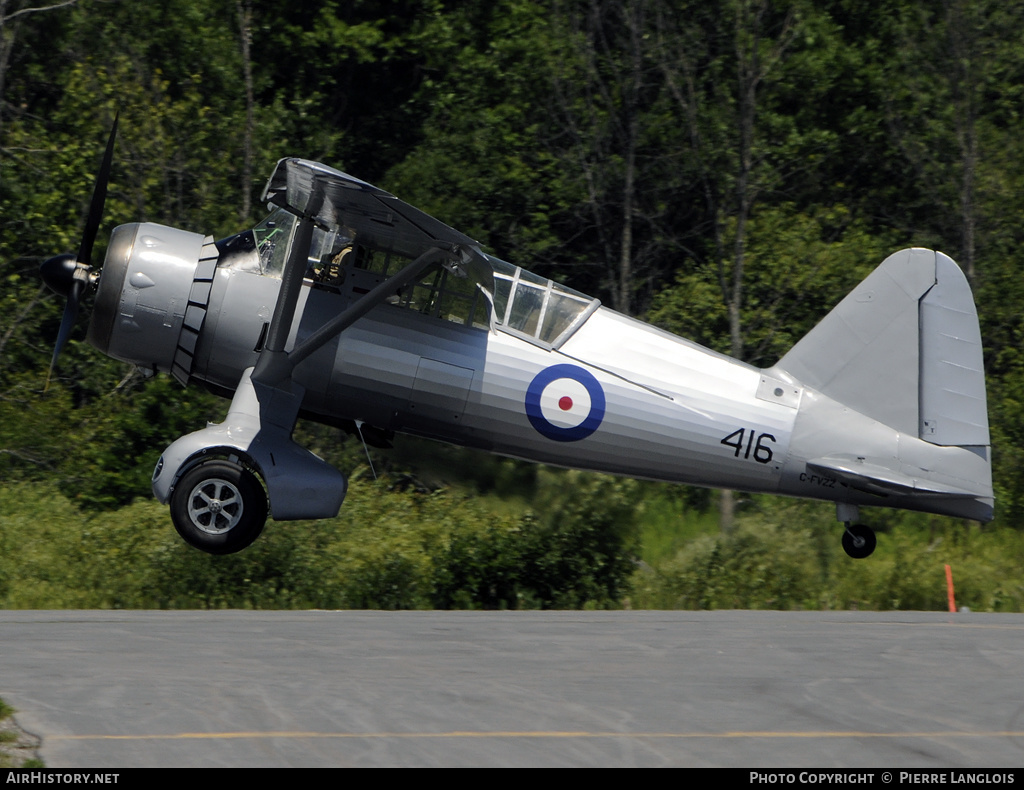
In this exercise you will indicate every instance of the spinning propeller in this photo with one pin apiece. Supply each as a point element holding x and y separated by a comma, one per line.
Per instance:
<point>68,274</point>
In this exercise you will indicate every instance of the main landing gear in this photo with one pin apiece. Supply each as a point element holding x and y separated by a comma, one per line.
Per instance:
<point>219,507</point>
<point>858,539</point>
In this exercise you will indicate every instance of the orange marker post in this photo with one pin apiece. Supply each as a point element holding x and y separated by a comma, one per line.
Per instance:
<point>949,589</point>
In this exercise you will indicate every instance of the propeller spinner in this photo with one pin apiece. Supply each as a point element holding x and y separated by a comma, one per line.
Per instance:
<point>68,274</point>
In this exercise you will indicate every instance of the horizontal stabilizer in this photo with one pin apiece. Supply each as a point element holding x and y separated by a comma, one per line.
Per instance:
<point>875,478</point>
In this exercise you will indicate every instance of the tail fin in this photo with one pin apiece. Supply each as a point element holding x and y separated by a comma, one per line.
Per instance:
<point>904,348</point>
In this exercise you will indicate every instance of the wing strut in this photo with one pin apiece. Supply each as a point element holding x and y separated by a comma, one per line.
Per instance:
<point>408,275</point>
<point>276,365</point>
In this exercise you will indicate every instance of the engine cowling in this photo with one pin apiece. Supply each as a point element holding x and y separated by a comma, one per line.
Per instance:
<point>153,295</point>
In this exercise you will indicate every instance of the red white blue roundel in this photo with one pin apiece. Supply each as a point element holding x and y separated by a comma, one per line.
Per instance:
<point>565,403</point>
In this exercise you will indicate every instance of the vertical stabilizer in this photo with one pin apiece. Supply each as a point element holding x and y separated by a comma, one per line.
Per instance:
<point>904,348</point>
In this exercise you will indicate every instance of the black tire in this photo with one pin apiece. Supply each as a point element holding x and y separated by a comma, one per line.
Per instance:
<point>219,507</point>
<point>859,541</point>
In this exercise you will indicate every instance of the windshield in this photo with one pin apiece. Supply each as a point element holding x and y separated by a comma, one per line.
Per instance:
<point>274,240</point>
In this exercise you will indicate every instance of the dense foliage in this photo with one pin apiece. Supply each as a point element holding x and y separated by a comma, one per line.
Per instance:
<point>728,169</point>
<point>389,549</point>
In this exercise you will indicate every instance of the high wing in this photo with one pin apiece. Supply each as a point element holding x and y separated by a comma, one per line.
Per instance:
<point>369,215</point>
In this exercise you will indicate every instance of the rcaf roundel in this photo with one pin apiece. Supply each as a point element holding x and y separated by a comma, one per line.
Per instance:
<point>565,403</point>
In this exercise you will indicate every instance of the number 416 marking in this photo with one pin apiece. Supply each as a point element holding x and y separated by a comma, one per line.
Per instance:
<point>747,436</point>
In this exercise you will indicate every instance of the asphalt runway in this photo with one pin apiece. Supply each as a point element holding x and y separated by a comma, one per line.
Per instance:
<point>113,689</point>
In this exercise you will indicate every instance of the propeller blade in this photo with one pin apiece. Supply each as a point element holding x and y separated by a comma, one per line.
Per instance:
<point>57,271</point>
<point>67,323</point>
<point>99,197</point>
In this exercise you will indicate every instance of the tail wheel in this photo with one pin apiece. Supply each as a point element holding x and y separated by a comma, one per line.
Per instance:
<point>219,507</point>
<point>858,541</point>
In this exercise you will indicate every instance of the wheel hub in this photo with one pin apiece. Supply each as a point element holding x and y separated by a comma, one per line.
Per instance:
<point>215,506</point>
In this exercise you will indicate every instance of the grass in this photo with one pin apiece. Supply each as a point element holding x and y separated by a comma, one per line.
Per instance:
<point>667,525</point>
<point>17,748</point>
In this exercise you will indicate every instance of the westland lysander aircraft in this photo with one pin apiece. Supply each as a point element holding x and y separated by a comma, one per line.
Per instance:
<point>348,306</point>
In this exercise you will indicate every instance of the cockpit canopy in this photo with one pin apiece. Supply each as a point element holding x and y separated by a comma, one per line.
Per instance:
<point>524,304</point>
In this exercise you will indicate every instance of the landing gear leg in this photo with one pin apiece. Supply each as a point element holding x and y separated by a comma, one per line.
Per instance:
<point>858,539</point>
